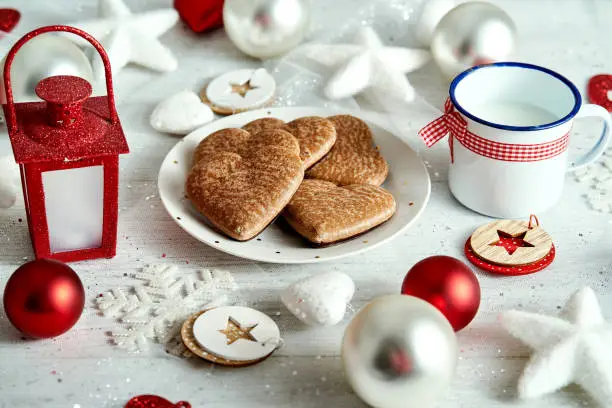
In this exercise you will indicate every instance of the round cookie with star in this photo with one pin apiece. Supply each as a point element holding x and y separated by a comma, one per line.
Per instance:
<point>239,91</point>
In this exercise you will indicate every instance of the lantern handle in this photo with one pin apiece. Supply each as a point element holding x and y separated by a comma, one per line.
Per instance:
<point>11,119</point>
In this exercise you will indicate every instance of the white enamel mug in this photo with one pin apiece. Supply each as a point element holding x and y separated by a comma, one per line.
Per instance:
<point>512,103</point>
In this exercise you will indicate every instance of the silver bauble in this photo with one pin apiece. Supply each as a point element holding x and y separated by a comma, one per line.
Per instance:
<point>399,352</point>
<point>266,28</point>
<point>471,34</point>
<point>41,57</point>
<point>428,15</point>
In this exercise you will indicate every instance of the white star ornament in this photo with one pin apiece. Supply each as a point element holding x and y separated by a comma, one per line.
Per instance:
<point>575,347</point>
<point>130,38</point>
<point>368,64</point>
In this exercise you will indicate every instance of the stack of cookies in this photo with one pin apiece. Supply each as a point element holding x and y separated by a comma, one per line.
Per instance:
<point>322,174</point>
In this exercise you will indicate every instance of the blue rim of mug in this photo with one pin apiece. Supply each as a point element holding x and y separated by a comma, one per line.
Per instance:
<point>570,85</point>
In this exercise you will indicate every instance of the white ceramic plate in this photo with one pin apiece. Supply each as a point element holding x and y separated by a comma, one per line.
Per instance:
<point>408,181</point>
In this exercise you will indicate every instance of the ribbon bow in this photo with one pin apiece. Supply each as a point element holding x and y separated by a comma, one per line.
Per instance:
<point>451,124</point>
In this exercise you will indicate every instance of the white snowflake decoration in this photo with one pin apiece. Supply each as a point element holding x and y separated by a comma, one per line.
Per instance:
<point>599,177</point>
<point>156,309</point>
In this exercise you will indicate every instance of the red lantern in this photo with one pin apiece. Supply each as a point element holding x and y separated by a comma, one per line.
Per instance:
<point>68,150</point>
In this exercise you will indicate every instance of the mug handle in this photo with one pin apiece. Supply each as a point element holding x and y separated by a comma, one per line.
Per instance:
<point>592,110</point>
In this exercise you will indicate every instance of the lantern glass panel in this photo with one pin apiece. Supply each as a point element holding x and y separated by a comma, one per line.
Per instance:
<point>74,203</point>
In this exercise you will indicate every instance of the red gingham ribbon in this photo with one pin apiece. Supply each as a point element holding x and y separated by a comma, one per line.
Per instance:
<point>453,124</point>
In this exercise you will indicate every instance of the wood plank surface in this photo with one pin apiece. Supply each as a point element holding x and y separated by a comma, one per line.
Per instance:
<point>82,369</point>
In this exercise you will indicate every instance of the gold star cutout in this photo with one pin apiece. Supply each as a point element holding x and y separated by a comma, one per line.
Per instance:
<point>234,331</point>
<point>242,89</point>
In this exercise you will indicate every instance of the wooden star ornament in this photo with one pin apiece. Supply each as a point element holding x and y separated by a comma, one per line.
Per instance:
<point>574,347</point>
<point>511,242</point>
<point>231,335</point>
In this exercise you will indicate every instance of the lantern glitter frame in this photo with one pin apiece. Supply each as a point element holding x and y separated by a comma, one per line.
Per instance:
<point>68,151</point>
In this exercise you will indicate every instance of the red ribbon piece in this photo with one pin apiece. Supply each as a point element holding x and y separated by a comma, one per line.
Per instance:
<point>453,124</point>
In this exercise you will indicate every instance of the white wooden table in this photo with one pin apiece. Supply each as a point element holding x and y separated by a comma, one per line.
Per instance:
<point>81,368</point>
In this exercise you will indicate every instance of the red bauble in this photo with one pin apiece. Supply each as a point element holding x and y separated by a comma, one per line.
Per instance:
<point>200,15</point>
<point>448,284</point>
<point>44,298</point>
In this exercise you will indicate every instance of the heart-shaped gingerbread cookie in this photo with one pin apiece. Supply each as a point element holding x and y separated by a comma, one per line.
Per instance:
<point>315,135</point>
<point>239,141</point>
<point>325,213</point>
<point>259,125</point>
<point>241,192</point>
<point>353,159</point>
